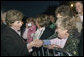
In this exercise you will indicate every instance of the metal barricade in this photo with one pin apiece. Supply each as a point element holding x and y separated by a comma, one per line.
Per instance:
<point>51,52</point>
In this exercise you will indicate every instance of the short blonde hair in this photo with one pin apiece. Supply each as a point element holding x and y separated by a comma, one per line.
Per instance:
<point>13,15</point>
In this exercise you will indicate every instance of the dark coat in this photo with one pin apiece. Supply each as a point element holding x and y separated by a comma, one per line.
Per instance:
<point>72,43</point>
<point>81,44</point>
<point>12,44</point>
<point>2,27</point>
<point>47,33</point>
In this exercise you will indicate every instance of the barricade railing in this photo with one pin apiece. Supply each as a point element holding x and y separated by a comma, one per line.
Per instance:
<point>42,51</point>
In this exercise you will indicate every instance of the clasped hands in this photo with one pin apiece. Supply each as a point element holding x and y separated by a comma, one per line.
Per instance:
<point>38,43</point>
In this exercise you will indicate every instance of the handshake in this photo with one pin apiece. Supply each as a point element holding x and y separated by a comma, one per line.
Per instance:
<point>35,43</point>
<point>38,43</point>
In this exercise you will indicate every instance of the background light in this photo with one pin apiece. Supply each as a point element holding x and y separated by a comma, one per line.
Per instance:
<point>71,5</point>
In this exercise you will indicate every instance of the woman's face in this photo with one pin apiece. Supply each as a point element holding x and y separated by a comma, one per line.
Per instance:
<point>17,24</point>
<point>61,32</point>
<point>79,7</point>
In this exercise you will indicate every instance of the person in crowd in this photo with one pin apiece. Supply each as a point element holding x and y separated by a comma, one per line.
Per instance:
<point>79,9</point>
<point>12,44</point>
<point>79,23</point>
<point>43,30</point>
<point>3,23</point>
<point>63,12</point>
<point>68,34</point>
<point>67,38</point>
<point>3,17</point>
<point>79,16</point>
<point>52,20</point>
<point>30,29</point>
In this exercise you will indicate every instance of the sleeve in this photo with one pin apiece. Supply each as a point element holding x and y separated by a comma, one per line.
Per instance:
<point>13,48</point>
<point>72,46</point>
<point>29,50</point>
<point>54,41</point>
<point>50,42</point>
<point>47,33</point>
<point>59,42</point>
<point>46,42</point>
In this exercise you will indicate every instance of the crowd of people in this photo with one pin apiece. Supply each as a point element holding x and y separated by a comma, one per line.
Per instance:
<point>64,31</point>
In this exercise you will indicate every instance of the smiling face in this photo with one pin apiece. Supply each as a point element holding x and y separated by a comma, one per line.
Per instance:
<point>79,7</point>
<point>17,25</point>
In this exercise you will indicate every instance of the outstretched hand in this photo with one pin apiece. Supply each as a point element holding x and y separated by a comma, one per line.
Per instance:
<point>35,43</point>
<point>38,43</point>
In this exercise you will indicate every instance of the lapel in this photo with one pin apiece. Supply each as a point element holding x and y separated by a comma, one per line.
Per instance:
<point>18,37</point>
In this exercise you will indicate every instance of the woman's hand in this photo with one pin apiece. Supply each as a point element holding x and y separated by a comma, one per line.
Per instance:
<point>38,43</point>
<point>35,43</point>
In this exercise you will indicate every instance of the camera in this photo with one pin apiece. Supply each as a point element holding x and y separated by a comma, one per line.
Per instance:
<point>29,24</point>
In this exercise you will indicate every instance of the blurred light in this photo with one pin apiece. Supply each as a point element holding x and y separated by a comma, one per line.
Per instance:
<point>71,5</point>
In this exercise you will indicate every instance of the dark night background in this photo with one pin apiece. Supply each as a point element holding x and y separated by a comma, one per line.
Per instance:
<point>31,8</point>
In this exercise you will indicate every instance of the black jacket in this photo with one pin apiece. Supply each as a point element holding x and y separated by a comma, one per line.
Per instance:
<point>2,27</point>
<point>12,44</point>
<point>47,33</point>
